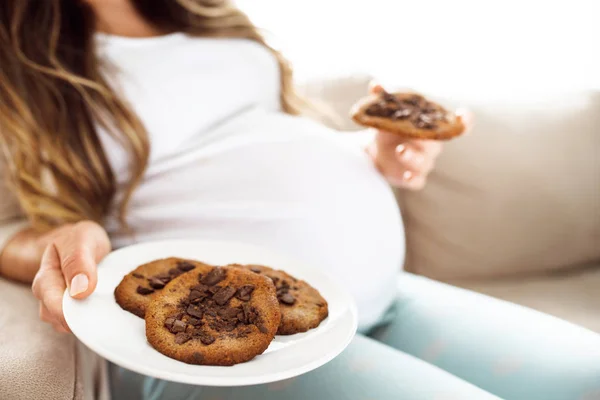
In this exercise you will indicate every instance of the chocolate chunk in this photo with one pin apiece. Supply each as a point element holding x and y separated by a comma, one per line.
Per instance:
<point>194,311</point>
<point>255,270</point>
<point>287,298</point>
<point>210,312</point>
<point>208,302</point>
<point>214,289</point>
<point>243,318</point>
<point>228,312</point>
<point>207,339</point>
<point>182,337</point>
<point>169,323</point>
<point>213,277</point>
<point>144,290</point>
<point>224,295</point>
<point>196,296</point>
<point>379,110</point>
<point>247,315</point>
<point>244,293</point>
<point>136,275</point>
<point>424,125</point>
<point>178,315</point>
<point>194,321</point>
<point>388,97</point>
<point>402,113</point>
<point>175,272</point>
<point>229,326</point>
<point>425,118</point>
<point>178,326</point>
<point>185,266</point>
<point>156,283</point>
<point>373,110</point>
<point>184,302</point>
<point>224,325</point>
<point>166,278</point>
<point>200,288</point>
<point>198,331</point>
<point>252,314</point>
<point>262,328</point>
<point>189,329</point>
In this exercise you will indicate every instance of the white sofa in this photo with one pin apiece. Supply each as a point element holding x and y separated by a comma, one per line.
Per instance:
<point>513,210</point>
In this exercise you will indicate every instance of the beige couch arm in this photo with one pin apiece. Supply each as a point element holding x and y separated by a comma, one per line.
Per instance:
<point>38,363</point>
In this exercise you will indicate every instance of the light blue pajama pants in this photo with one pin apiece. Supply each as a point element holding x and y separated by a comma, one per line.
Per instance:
<point>439,343</point>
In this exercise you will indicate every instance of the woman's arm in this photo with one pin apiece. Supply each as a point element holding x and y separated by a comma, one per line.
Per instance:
<point>20,247</point>
<point>21,256</point>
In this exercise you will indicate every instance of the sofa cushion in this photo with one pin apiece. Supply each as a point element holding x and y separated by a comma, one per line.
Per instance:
<point>38,363</point>
<point>571,295</point>
<point>520,194</point>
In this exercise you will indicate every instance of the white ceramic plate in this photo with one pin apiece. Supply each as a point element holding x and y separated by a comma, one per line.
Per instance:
<point>120,336</point>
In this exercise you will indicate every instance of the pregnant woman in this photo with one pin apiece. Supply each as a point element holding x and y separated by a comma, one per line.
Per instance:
<point>124,121</point>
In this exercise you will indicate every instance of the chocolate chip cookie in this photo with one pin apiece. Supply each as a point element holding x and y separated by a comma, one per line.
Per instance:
<point>407,114</point>
<point>141,285</point>
<point>302,306</point>
<point>223,316</point>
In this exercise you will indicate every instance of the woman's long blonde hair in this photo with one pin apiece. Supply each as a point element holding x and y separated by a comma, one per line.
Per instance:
<point>53,96</point>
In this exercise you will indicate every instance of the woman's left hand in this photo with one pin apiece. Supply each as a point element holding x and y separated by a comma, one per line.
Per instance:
<point>405,163</point>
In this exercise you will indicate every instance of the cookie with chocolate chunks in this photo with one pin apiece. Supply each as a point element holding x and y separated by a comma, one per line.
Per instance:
<point>407,114</point>
<point>302,306</point>
<point>223,316</point>
<point>137,288</point>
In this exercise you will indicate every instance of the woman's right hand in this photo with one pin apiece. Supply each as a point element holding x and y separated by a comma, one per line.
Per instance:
<point>69,261</point>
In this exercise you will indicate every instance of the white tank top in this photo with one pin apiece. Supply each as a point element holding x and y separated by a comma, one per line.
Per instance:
<point>227,164</point>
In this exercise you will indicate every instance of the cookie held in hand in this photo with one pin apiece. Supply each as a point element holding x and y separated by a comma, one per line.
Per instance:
<point>141,285</point>
<point>223,316</point>
<point>302,306</point>
<point>407,114</point>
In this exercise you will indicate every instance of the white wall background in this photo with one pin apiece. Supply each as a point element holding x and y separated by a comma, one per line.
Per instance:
<point>474,45</point>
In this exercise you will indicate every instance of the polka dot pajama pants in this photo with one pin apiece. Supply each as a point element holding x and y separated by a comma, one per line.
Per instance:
<point>437,343</point>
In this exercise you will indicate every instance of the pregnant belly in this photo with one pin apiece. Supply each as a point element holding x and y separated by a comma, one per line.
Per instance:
<point>305,195</point>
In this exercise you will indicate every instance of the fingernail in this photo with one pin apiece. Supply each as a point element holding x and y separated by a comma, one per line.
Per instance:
<point>79,284</point>
<point>407,176</point>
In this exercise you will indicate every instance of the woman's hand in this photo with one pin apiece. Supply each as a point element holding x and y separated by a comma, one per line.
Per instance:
<point>405,163</point>
<point>69,261</point>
